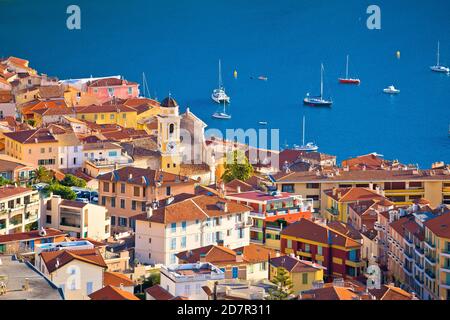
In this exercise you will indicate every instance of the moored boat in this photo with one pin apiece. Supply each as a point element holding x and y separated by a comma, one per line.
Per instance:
<point>318,100</point>
<point>219,94</point>
<point>391,90</point>
<point>348,80</point>
<point>438,67</point>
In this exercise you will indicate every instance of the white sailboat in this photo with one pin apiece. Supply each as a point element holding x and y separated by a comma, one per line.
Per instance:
<point>310,146</point>
<point>222,115</point>
<point>219,94</point>
<point>318,101</point>
<point>438,67</point>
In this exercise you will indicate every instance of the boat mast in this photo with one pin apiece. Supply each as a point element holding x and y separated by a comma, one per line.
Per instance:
<point>220,75</point>
<point>346,70</point>
<point>321,81</point>
<point>438,54</point>
<point>303,136</point>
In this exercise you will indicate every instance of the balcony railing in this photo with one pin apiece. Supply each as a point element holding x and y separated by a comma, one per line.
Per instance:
<point>333,211</point>
<point>430,274</point>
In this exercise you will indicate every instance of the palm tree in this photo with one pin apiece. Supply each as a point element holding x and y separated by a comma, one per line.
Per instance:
<point>41,174</point>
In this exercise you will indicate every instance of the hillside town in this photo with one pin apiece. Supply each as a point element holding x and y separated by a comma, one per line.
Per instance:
<point>106,194</point>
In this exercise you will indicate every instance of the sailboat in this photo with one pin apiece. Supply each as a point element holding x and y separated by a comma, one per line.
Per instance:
<point>222,115</point>
<point>348,80</point>
<point>310,146</point>
<point>438,67</point>
<point>318,101</point>
<point>219,94</point>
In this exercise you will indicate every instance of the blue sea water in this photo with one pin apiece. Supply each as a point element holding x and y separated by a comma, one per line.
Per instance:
<point>178,43</point>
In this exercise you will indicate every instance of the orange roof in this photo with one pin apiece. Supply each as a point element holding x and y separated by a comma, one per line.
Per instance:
<point>18,61</point>
<point>353,194</point>
<point>112,293</point>
<point>159,293</point>
<point>56,259</point>
<point>116,279</point>
<point>38,105</point>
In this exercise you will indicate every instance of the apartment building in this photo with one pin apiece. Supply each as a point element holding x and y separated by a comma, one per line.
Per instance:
<point>37,147</point>
<point>311,241</point>
<point>125,192</point>
<point>103,157</point>
<point>188,224</point>
<point>271,212</point>
<point>19,209</point>
<point>401,186</point>
<point>78,219</point>
<point>25,242</point>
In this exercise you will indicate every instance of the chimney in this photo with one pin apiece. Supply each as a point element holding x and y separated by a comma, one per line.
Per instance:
<point>334,191</point>
<point>239,256</point>
<point>220,243</point>
<point>238,189</point>
<point>169,200</point>
<point>149,212</point>
<point>222,205</point>
<point>130,176</point>
<point>202,257</point>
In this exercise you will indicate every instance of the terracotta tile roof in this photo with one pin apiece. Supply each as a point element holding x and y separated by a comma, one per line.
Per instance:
<point>331,293</point>
<point>18,61</point>
<point>104,108</point>
<point>198,207</point>
<point>233,185</point>
<point>11,191</point>
<point>364,176</point>
<point>294,265</point>
<point>187,169</point>
<point>136,102</point>
<point>440,225</point>
<point>63,257</point>
<point>345,229</point>
<point>219,255</point>
<point>308,230</point>
<point>125,134</point>
<point>48,92</point>
<point>74,204</point>
<point>116,279</point>
<point>30,235</point>
<point>388,292</point>
<point>112,293</point>
<point>109,82</point>
<point>371,161</point>
<point>159,293</point>
<point>31,136</point>
<point>9,165</point>
<point>35,106</point>
<point>144,177</point>
<point>55,111</point>
<point>409,224</point>
<point>353,194</point>
<point>6,96</point>
<point>101,146</point>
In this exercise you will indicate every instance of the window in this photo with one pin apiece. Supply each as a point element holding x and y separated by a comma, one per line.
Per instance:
<point>124,115</point>
<point>89,287</point>
<point>48,219</point>
<point>171,128</point>
<point>289,243</point>
<point>319,250</point>
<point>173,259</point>
<point>149,240</point>
<point>111,91</point>
<point>173,227</point>
<point>74,160</point>
<point>183,242</point>
<point>235,272</point>
<point>122,187</point>
<point>29,151</point>
<point>173,244</point>
<point>307,248</point>
<point>112,153</point>
<point>113,202</point>
<point>304,278</point>
<point>130,90</point>
<point>136,191</point>
<point>103,117</point>
<point>241,233</point>
<point>111,116</point>
<point>103,201</point>
<point>133,205</point>
<point>105,187</point>
<point>42,150</point>
<point>122,222</point>
<point>183,226</point>
<point>168,191</point>
<point>113,220</point>
<point>312,186</point>
<point>287,188</point>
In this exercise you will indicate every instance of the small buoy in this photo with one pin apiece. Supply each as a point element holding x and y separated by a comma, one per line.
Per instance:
<point>398,54</point>
<point>235,74</point>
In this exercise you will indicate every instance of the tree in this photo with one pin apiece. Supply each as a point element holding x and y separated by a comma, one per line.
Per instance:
<point>71,181</point>
<point>237,166</point>
<point>60,190</point>
<point>41,174</point>
<point>283,285</point>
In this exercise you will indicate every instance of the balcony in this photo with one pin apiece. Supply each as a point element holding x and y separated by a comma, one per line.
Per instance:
<point>256,229</point>
<point>355,264</point>
<point>378,226</point>
<point>429,245</point>
<point>419,266</point>
<point>258,215</point>
<point>407,270</point>
<point>431,260</point>
<point>430,275</point>
<point>445,285</point>
<point>304,254</point>
<point>419,251</point>
<point>445,269</point>
<point>445,253</point>
<point>333,211</point>
<point>404,192</point>
<point>273,228</point>
<point>2,226</point>
<point>408,242</point>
